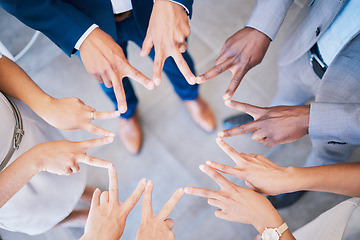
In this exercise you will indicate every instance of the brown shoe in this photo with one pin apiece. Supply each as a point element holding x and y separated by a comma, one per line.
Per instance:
<point>201,113</point>
<point>131,134</point>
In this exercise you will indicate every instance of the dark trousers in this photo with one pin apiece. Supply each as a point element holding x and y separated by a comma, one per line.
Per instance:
<point>127,30</point>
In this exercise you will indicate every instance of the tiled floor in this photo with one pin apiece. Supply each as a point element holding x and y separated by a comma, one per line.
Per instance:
<point>173,146</point>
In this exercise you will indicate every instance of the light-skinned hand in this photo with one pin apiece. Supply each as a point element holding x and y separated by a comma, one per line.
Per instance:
<point>167,32</point>
<point>157,227</point>
<point>107,216</point>
<point>63,157</point>
<point>104,59</point>
<point>241,52</point>
<point>237,204</point>
<point>271,125</point>
<point>72,114</point>
<point>258,172</point>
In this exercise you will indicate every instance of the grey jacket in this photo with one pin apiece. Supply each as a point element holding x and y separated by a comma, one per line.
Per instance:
<point>335,114</point>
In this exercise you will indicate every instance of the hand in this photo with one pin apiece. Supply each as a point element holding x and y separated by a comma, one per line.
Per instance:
<point>258,172</point>
<point>167,31</point>
<point>107,216</point>
<point>72,114</point>
<point>237,204</point>
<point>241,52</point>
<point>271,125</point>
<point>104,59</point>
<point>63,157</point>
<point>157,227</point>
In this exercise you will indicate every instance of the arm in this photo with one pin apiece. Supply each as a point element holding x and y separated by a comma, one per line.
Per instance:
<point>238,204</point>
<point>334,122</point>
<point>266,177</point>
<point>247,47</point>
<point>66,113</point>
<point>60,157</point>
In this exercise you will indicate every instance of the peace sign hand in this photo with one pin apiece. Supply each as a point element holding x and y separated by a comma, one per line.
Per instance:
<point>157,227</point>
<point>107,216</point>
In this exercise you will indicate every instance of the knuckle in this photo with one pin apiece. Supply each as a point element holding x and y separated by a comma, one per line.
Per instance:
<point>218,69</point>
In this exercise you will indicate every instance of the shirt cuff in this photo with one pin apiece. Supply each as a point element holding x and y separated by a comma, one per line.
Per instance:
<point>85,35</point>
<point>187,10</point>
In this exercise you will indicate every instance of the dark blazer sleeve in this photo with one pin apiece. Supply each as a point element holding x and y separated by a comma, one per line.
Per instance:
<point>58,20</point>
<point>187,4</point>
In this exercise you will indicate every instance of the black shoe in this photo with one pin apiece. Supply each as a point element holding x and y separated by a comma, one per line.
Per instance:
<point>286,199</point>
<point>237,120</point>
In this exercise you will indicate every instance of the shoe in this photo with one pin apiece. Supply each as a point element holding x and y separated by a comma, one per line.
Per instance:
<point>286,199</point>
<point>237,120</point>
<point>201,113</point>
<point>131,134</point>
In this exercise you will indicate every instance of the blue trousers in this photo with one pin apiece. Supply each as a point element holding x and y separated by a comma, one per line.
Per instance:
<point>127,30</point>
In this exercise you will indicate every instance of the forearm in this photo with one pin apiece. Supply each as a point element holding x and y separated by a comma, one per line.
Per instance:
<point>16,83</point>
<point>340,178</point>
<point>15,176</point>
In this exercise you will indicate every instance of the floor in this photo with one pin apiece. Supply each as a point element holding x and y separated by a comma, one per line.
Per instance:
<point>173,146</point>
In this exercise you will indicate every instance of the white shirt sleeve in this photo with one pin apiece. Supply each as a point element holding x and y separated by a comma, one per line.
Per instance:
<point>187,10</point>
<point>85,35</point>
<point>0,55</point>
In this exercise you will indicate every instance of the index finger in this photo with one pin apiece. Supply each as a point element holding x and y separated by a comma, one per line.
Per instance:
<point>238,75</point>
<point>238,130</point>
<point>130,203</point>
<point>217,177</point>
<point>93,161</point>
<point>147,211</point>
<point>170,205</point>
<point>215,71</point>
<point>119,92</point>
<point>88,144</point>
<point>235,156</point>
<point>183,67</point>
<point>254,111</point>
<point>113,185</point>
<point>105,115</point>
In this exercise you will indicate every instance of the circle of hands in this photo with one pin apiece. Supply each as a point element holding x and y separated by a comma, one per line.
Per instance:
<point>241,52</point>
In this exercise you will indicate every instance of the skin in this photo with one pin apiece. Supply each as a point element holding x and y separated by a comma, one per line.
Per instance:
<point>266,177</point>
<point>107,215</point>
<point>271,125</point>
<point>241,52</point>
<point>59,157</point>
<point>167,32</point>
<point>238,204</point>
<point>66,113</point>
<point>157,227</point>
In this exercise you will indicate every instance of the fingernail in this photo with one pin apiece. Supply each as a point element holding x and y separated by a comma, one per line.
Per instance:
<point>151,85</point>
<point>143,181</point>
<point>227,102</point>
<point>157,81</point>
<point>117,113</point>
<point>122,109</point>
<point>97,190</point>
<point>110,139</point>
<point>199,79</point>
<point>192,80</point>
<point>208,162</point>
<point>180,190</point>
<point>226,96</point>
<point>112,169</point>
<point>202,167</point>
<point>149,183</point>
<point>220,135</point>
<point>111,134</point>
<point>186,190</point>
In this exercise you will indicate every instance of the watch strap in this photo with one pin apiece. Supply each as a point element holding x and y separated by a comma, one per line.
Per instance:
<point>280,230</point>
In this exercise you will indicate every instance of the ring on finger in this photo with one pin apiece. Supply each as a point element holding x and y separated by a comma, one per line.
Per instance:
<point>92,115</point>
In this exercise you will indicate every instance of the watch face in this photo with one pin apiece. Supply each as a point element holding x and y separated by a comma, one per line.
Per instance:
<point>270,234</point>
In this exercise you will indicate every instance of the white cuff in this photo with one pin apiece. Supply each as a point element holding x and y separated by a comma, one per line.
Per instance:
<point>187,10</point>
<point>85,35</point>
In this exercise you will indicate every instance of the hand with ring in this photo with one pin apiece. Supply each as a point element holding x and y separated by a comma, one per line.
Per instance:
<point>72,114</point>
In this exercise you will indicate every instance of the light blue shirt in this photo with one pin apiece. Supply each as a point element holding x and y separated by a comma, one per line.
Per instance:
<point>341,30</point>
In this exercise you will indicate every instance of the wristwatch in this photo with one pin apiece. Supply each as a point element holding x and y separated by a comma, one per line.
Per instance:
<point>274,233</point>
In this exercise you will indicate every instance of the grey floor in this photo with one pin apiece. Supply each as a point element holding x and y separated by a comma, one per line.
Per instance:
<point>173,146</point>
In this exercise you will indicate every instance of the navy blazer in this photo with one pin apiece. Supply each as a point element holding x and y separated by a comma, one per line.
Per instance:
<point>65,21</point>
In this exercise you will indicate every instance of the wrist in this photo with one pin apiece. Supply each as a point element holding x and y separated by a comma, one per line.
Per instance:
<point>271,220</point>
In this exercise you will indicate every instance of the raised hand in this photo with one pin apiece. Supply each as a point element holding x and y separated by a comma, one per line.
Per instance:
<point>63,157</point>
<point>258,172</point>
<point>104,59</point>
<point>241,52</point>
<point>167,31</point>
<point>271,125</point>
<point>72,114</point>
<point>157,227</point>
<point>237,204</point>
<point>107,216</point>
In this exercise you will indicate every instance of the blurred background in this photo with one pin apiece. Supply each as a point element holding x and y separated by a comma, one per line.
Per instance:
<point>173,146</point>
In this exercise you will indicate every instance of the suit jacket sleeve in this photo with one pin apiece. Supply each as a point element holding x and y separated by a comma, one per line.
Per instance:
<point>268,15</point>
<point>60,21</point>
<point>334,123</point>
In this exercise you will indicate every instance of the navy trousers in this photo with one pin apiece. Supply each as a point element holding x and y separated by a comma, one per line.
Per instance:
<point>127,30</point>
